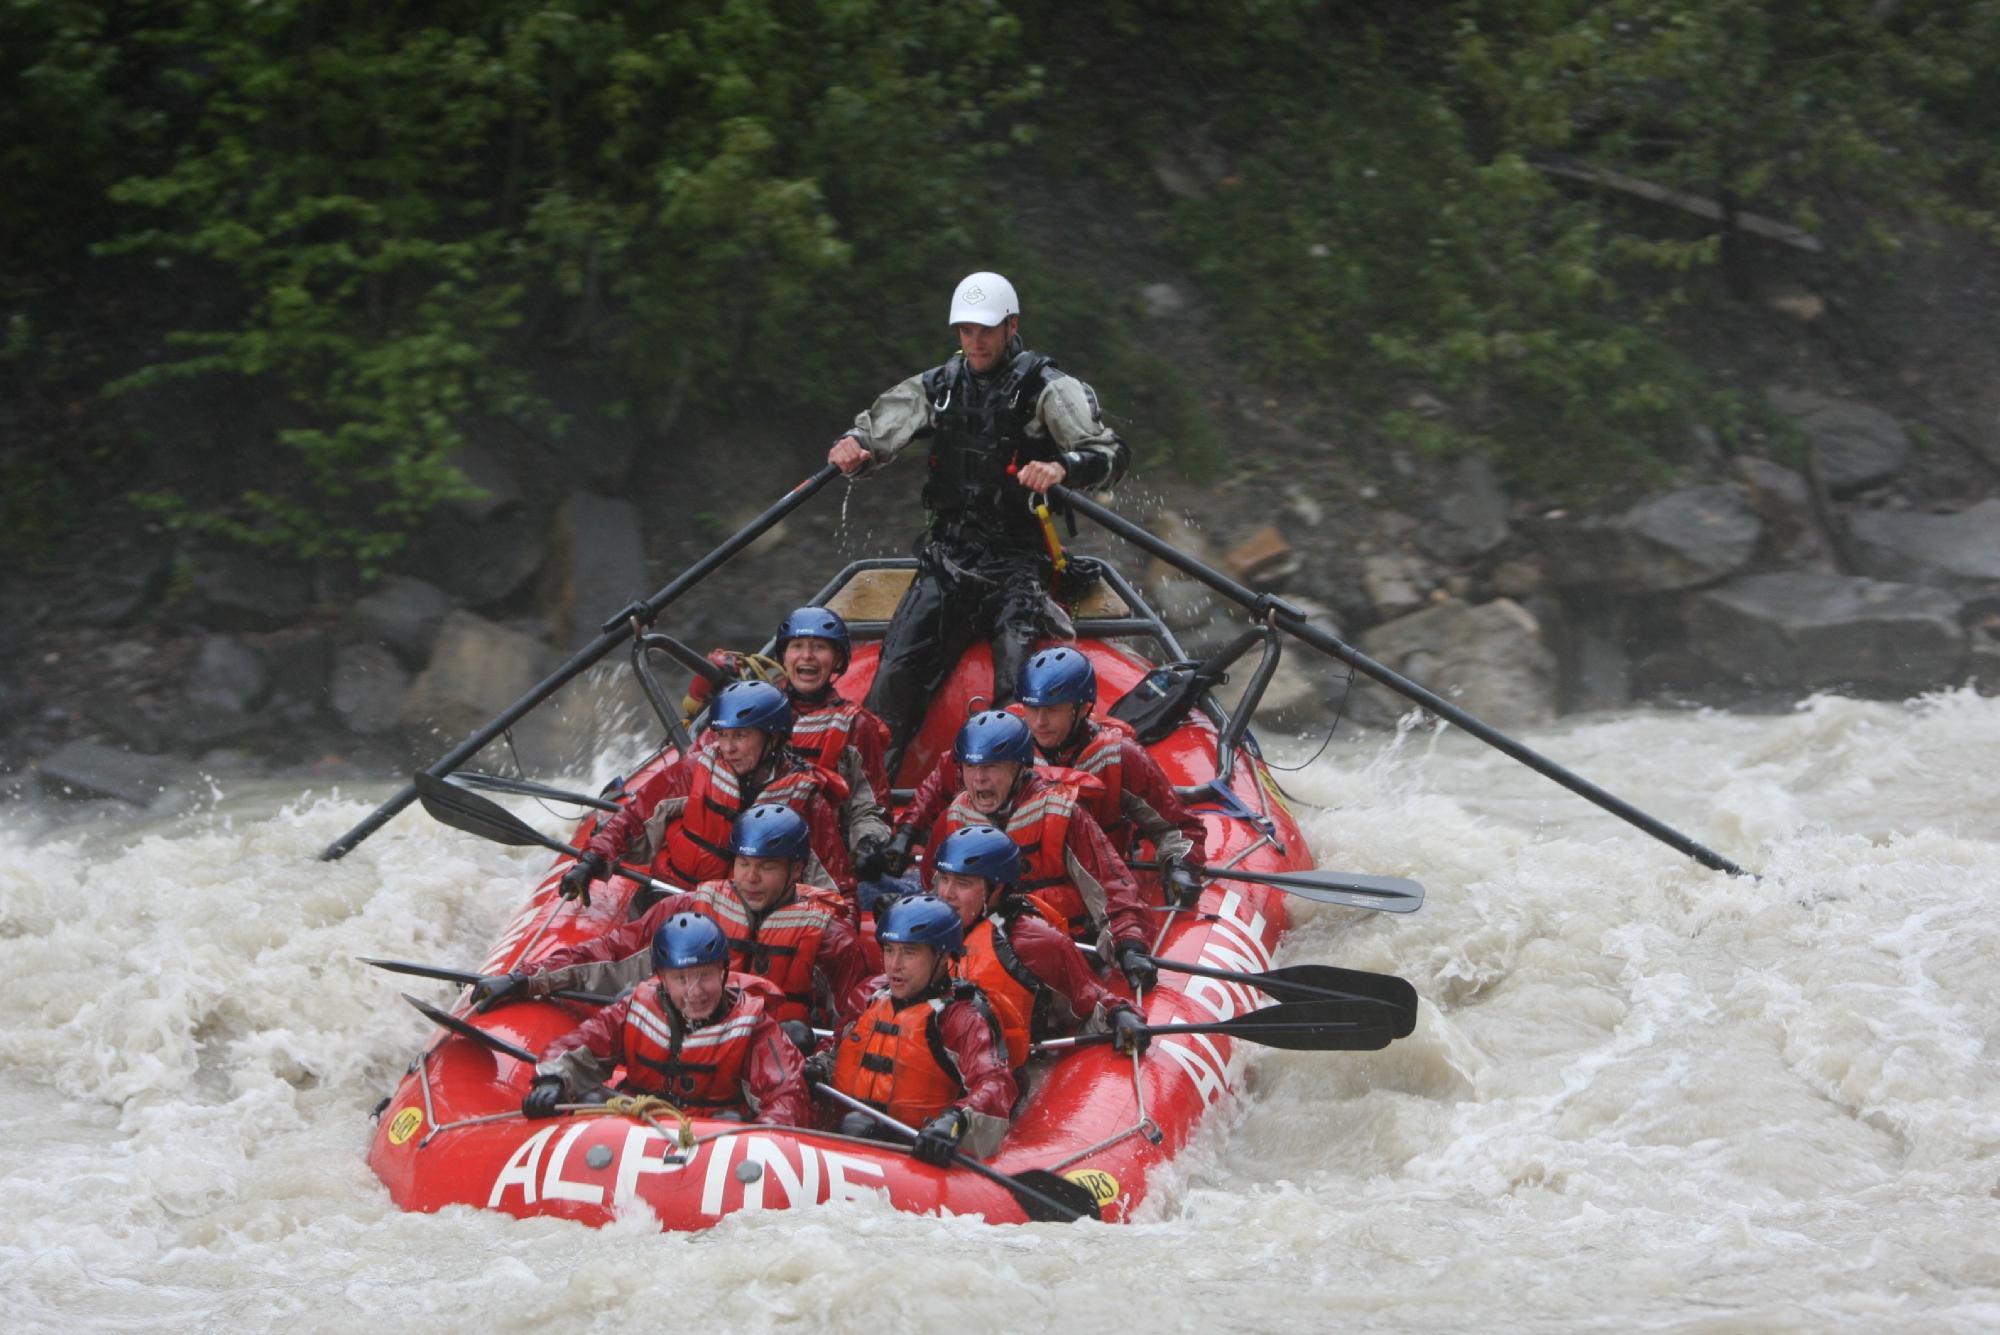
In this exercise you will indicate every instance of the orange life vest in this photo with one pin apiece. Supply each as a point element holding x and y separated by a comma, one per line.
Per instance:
<point>697,847</point>
<point>1040,825</point>
<point>699,1070</point>
<point>1017,994</point>
<point>783,947</point>
<point>894,1057</point>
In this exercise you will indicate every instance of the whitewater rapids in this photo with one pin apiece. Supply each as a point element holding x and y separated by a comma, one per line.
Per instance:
<point>1641,1095</point>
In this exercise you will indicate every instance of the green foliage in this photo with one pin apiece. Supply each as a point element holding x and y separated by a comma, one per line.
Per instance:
<point>377,226</point>
<point>398,209</point>
<point>1376,219</point>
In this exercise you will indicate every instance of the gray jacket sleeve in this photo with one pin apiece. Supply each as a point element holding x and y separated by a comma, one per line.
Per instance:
<point>861,816</point>
<point>889,424</point>
<point>1067,414</point>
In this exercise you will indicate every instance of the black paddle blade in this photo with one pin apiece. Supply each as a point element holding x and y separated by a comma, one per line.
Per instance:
<point>449,804</point>
<point>1348,889</point>
<point>1311,1026</point>
<point>471,1031</point>
<point>1339,1037</point>
<point>1386,990</point>
<point>1049,1199</point>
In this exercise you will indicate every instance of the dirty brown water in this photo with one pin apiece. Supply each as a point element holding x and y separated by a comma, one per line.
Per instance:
<point>1641,1095</point>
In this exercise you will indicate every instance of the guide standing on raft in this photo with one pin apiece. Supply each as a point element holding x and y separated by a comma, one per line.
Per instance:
<point>1003,422</point>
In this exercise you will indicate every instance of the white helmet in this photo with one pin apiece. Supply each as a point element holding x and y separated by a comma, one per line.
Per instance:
<point>983,298</point>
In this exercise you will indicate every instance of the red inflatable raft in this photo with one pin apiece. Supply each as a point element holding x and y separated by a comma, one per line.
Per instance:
<point>452,1134</point>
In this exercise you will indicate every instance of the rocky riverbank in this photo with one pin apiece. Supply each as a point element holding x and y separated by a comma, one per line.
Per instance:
<point>1754,584</point>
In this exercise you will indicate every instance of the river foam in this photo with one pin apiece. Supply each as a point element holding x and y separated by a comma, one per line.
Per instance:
<point>1640,1094</point>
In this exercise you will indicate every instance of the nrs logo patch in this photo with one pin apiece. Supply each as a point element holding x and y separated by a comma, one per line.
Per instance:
<point>1101,1185</point>
<point>405,1125</point>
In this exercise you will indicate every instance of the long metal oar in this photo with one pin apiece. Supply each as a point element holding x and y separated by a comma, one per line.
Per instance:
<point>1349,889</point>
<point>614,633</point>
<point>1295,1026</point>
<point>452,805</point>
<point>1048,1199</point>
<point>468,976</point>
<point>1266,607</point>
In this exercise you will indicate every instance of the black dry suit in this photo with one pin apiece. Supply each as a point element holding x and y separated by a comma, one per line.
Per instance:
<point>983,566</point>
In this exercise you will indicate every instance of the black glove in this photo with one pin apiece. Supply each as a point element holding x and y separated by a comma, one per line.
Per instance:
<point>1129,1033</point>
<point>871,859</point>
<point>494,988</point>
<point>938,1141</point>
<point>1182,886</point>
<point>819,1068</point>
<point>800,1033</point>
<point>898,853</point>
<point>576,881</point>
<point>1139,970</point>
<point>543,1096</point>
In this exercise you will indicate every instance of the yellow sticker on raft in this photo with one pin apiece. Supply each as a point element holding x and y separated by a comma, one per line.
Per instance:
<point>405,1125</point>
<point>1101,1185</point>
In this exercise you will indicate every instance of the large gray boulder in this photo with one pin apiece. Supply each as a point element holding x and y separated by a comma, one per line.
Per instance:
<point>476,670</point>
<point>1675,540</point>
<point>402,614</point>
<point>1783,501</point>
<point>244,591</point>
<point>597,564</point>
<point>485,471</point>
<point>1853,445</point>
<point>119,587</point>
<point>93,770</point>
<point>299,659</point>
<point>369,688</point>
<point>1397,582</point>
<point>1472,517</point>
<point>1961,550</point>
<point>228,676</point>
<point>483,564</point>
<point>1489,660</point>
<point>1809,630</point>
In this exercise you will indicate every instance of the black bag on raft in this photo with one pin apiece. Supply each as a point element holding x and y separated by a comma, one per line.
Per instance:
<point>1163,697</point>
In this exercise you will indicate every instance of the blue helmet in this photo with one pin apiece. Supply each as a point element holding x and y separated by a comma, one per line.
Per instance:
<point>1057,677</point>
<point>817,623</point>
<point>753,704</point>
<point>980,850</point>
<point>771,830</point>
<point>688,939</point>
<point>994,735</point>
<point>922,920</point>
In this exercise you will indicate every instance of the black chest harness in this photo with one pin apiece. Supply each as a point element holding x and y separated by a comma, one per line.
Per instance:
<point>977,438</point>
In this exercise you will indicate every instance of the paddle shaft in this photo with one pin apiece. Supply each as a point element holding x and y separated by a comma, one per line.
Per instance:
<point>1246,1033</point>
<point>468,977</point>
<point>1311,882</point>
<point>1293,622</point>
<point>500,783</point>
<point>584,658</point>
<point>963,1160</point>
